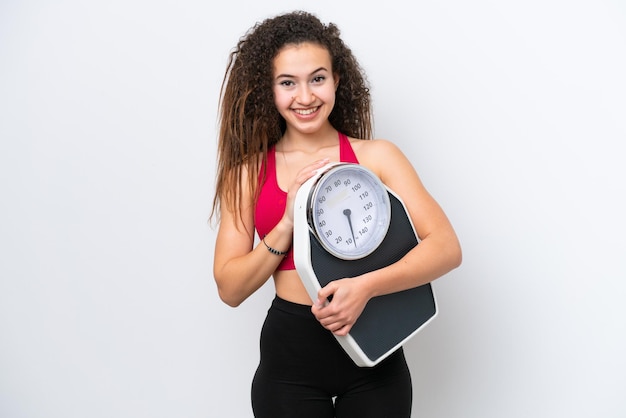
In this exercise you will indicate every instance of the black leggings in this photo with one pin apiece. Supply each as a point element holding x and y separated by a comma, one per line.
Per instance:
<point>304,372</point>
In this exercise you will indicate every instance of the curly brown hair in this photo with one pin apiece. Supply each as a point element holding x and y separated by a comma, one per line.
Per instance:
<point>249,121</point>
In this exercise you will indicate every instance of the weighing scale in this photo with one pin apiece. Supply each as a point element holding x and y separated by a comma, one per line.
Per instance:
<point>347,223</point>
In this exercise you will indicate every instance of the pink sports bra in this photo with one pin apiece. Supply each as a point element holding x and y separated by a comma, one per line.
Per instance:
<point>272,199</point>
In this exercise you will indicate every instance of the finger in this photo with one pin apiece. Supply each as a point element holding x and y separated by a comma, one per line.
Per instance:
<point>325,292</point>
<point>322,162</point>
<point>343,331</point>
<point>312,169</point>
<point>339,328</point>
<point>325,316</point>
<point>317,312</point>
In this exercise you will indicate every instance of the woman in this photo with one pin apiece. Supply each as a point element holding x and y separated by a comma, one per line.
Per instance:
<point>293,99</point>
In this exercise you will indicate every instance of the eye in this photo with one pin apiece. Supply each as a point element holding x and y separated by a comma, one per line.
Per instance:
<point>319,79</point>
<point>287,83</point>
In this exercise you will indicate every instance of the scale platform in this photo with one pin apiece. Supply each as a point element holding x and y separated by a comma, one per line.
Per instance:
<point>388,321</point>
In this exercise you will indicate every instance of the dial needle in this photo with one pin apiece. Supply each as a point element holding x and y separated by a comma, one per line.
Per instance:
<point>348,212</point>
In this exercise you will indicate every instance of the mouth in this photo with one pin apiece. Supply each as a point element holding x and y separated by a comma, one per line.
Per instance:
<point>306,112</point>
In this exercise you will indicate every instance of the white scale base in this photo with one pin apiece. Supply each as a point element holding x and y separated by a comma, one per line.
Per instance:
<point>388,321</point>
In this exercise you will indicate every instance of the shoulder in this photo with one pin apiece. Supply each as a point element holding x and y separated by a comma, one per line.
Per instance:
<point>379,155</point>
<point>368,147</point>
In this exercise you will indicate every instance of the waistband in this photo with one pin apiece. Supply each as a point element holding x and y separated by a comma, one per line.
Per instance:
<point>292,307</point>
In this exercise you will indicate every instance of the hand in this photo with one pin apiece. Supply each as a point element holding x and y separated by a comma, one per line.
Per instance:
<point>348,301</point>
<point>302,176</point>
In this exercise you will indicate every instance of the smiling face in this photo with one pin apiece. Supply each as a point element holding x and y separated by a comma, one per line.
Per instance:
<point>304,86</point>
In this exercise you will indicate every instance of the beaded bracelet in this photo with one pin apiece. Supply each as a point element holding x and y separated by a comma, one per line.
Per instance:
<point>274,250</point>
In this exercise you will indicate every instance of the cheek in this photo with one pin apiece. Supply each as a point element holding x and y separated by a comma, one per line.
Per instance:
<point>329,98</point>
<point>327,94</point>
<point>282,100</point>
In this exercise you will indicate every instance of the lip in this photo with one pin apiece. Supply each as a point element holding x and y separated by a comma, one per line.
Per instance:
<point>306,112</point>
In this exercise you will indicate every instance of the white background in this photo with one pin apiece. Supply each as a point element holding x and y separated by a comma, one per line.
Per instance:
<point>513,112</point>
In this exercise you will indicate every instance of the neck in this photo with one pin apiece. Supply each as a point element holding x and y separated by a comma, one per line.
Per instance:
<point>309,143</point>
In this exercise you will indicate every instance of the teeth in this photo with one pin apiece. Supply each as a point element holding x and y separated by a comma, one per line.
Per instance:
<point>305,111</point>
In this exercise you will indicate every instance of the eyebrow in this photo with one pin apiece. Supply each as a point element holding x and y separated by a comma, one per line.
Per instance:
<point>293,76</point>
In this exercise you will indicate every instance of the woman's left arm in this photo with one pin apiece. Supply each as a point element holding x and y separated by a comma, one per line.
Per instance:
<point>438,252</point>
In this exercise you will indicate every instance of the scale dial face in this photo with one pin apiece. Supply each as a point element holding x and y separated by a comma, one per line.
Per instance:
<point>349,211</point>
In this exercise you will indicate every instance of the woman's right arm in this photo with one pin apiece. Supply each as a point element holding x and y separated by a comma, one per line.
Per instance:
<point>239,268</point>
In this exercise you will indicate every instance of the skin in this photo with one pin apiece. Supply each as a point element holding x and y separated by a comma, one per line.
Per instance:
<point>304,93</point>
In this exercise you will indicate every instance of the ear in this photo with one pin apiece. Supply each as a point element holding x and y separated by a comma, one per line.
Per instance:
<point>336,78</point>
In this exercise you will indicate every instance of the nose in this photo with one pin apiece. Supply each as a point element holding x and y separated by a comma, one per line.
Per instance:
<point>304,96</point>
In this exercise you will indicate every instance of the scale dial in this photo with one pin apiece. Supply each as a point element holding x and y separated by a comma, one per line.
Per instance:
<point>349,211</point>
